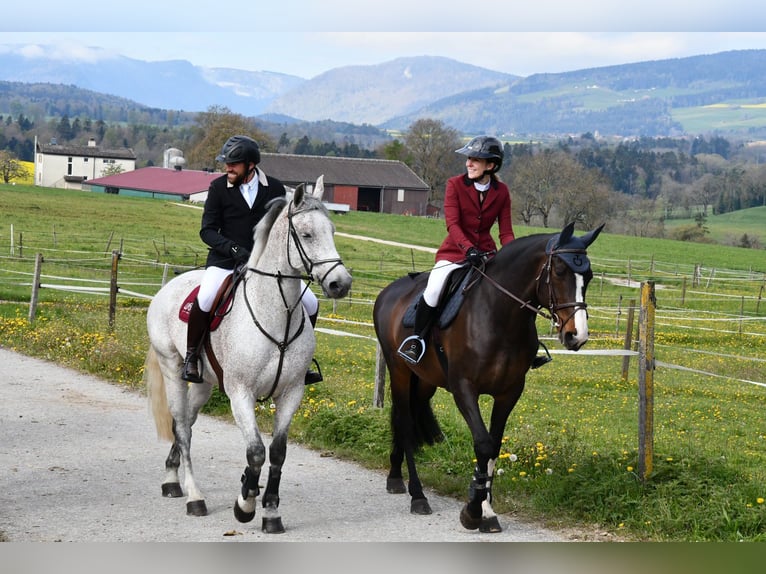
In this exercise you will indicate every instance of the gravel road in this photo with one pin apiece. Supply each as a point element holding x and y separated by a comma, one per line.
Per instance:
<point>80,462</point>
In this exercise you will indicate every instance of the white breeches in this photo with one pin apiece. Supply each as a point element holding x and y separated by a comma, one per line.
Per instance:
<point>214,277</point>
<point>436,281</point>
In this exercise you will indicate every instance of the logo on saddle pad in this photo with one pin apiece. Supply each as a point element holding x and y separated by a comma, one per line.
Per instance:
<point>216,316</point>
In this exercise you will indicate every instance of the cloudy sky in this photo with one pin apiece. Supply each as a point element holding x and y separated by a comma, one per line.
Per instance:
<point>308,37</point>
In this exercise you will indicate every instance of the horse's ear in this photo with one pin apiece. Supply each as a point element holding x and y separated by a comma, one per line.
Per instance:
<point>566,234</point>
<point>590,237</point>
<point>319,188</point>
<point>298,194</point>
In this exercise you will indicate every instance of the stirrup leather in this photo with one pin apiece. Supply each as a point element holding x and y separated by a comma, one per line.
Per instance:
<point>410,351</point>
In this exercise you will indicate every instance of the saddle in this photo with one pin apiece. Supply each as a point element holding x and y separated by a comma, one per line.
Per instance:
<point>221,305</point>
<point>458,284</point>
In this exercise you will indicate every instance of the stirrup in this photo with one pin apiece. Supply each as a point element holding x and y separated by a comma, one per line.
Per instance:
<point>191,360</point>
<point>541,360</point>
<point>313,377</point>
<point>412,349</point>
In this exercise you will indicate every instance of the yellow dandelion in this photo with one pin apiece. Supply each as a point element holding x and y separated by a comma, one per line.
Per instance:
<point>630,469</point>
<point>759,500</point>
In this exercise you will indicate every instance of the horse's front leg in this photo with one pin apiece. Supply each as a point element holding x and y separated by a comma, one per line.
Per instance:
<point>467,402</point>
<point>243,410</point>
<point>287,404</point>
<point>501,409</point>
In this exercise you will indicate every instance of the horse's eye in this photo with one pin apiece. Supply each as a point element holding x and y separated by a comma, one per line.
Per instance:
<point>305,236</point>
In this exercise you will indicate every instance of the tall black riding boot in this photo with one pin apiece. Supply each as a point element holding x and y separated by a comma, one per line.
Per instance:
<point>312,376</point>
<point>414,347</point>
<point>199,322</point>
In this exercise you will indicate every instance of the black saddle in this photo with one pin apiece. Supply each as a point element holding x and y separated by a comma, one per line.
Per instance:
<point>458,283</point>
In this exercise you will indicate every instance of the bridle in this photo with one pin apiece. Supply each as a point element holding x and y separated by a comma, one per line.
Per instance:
<point>553,305</point>
<point>308,265</point>
<point>545,275</point>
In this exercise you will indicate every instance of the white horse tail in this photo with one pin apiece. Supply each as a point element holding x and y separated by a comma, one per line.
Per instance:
<point>158,399</point>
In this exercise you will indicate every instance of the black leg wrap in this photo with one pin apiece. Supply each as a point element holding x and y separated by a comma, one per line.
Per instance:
<point>249,483</point>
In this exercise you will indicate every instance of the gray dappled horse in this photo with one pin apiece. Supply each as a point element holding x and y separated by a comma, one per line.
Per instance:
<point>264,346</point>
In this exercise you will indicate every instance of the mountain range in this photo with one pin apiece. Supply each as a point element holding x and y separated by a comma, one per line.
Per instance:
<point>653,98</point>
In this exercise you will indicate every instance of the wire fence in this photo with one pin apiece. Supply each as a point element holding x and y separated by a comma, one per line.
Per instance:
<point>693,298</point>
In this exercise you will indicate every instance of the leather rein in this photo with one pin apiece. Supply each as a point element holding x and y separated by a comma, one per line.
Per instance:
<point>554,307</point>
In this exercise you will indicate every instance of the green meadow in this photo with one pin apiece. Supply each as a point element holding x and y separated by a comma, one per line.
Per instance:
<point>570,453</point>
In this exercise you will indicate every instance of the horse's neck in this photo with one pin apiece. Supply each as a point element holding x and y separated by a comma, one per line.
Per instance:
<point>276,283</point>
<point>518,273</point>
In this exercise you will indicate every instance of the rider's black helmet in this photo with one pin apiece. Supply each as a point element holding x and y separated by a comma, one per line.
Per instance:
<point>484,147</point>
<point>240,149</point>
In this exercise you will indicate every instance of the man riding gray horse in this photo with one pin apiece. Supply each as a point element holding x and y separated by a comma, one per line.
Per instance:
<point>235,203</point>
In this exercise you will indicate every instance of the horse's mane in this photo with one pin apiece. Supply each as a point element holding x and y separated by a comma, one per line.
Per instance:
<point>263,228</point>
<point>512,249</point>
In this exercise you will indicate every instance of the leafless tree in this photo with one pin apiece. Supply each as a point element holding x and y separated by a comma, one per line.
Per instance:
<point>431,148</point>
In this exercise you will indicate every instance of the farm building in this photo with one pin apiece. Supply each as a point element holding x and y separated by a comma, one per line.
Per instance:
<point>68,166</point>
<point>363,184</point>
<point>350,183</point>
<point>157,182</point>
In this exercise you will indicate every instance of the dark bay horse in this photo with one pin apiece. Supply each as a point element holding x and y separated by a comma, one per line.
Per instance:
<point>486,350</point>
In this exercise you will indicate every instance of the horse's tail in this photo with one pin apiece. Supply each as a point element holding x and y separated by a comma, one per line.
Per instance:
<point>424,426</point>
<point>158,399</point>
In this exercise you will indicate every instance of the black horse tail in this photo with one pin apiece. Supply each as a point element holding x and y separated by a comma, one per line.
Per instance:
<point>425,427</point>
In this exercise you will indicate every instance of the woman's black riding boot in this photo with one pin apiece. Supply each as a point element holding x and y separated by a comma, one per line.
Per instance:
<point>414,347</point>
<point>196,330</point>
<point>312,376</point>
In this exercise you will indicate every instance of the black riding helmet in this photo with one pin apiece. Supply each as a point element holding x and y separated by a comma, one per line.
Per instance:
<point>240,149</point>
<point>484,147</point>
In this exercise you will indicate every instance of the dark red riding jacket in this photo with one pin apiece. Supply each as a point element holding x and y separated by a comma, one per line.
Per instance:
<point>469,222</point>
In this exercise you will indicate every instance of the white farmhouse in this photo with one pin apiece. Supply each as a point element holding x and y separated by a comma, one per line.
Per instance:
<point>68,166</point>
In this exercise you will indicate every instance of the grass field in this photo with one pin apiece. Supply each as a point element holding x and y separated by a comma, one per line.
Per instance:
<point>570,454</point>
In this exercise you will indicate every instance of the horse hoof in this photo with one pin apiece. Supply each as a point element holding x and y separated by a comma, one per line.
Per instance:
<point>241,515</point>
<point>420,506</point>
<point>490,525</point>
<point>395,486</point>
<point>272,525</point>
<point>196,508</point>
<point>172,490</point>
<point>468,521</point>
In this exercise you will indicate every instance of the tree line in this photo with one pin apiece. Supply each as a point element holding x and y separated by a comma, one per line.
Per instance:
<point>635,183</point>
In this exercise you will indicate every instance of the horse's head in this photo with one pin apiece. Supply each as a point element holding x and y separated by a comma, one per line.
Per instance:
<point>311,241</point>
<point>566,275</point>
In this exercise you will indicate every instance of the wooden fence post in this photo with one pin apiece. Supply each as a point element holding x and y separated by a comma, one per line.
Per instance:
<point>35,287</point>
<point>646,381</point>
<point>113,288</point>
<point>380,378</point>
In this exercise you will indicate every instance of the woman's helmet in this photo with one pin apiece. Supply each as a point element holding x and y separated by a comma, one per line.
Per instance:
<point>240,149</point>
<point>484,147</point>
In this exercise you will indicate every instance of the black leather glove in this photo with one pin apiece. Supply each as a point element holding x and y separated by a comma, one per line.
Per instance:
<point>473,256</point>
<point>239,253</point>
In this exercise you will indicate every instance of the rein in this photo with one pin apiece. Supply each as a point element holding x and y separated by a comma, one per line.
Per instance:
<point>308,265</point>
<point>553,307</point>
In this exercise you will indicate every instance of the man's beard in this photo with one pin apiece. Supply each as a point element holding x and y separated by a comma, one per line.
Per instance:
<point>238,179</point>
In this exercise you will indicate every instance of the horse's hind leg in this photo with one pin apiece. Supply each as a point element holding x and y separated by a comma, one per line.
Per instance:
<point>171,486</point>
<point>185,402</point>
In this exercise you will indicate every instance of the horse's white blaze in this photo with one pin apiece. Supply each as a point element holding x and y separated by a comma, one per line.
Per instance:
<point>580,316</point>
